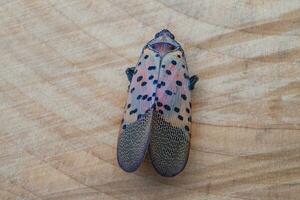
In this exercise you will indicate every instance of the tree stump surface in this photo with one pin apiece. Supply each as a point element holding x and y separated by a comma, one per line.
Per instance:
<point>63,87</point>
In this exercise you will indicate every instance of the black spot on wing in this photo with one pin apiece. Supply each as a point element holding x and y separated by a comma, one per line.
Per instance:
<point>167,107</point>
<point>168,92</point>
<point>133,111</point>
<point>180,117</point>
<point>159,104</point>
<point>186,128</point>
<point>139,78</point>
<point>151,68</point>
<point>153,106</point>
<point>144,83</point>
<point>151,77</point>
<point>145,97</point>
<point>179,83</point>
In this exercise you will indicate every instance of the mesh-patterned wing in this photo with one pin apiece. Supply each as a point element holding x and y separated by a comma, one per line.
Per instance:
<point>171,121</point>
<point>134,135</point>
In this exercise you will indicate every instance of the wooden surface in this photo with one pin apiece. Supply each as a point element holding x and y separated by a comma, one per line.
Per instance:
<point>63,87</point>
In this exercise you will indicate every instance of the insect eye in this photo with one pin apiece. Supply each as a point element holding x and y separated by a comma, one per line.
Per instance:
<point>157,35</point>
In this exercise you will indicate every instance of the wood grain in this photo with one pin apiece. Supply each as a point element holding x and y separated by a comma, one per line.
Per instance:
<point>63,87</point>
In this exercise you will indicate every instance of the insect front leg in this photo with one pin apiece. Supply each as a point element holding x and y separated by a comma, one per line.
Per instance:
<point>193,81</point>
<point>129,72</point>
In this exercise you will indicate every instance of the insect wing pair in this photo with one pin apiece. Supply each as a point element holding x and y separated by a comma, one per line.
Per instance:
<point>157,115</point>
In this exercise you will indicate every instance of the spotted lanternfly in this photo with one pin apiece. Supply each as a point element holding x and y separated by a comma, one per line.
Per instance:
<point>157,114</point>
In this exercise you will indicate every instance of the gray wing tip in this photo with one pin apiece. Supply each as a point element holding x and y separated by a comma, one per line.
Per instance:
<point>170,169</point>
<point>169,173</point>
<point>128,165</point>
<point>133,143</point>
<point>131,155</point>
<point>169,147</point>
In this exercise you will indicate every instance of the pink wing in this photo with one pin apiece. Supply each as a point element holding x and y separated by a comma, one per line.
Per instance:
<point>134,136</point>
<point>170,139</point>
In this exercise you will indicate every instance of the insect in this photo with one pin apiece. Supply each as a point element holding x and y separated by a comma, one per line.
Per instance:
<point>157,115</point>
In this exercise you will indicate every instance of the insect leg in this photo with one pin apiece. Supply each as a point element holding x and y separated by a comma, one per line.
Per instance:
<point>129,72</point>
<point>193,81</point>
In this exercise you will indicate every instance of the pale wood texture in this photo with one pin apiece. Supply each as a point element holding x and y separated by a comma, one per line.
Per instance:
<point>63,87</point>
